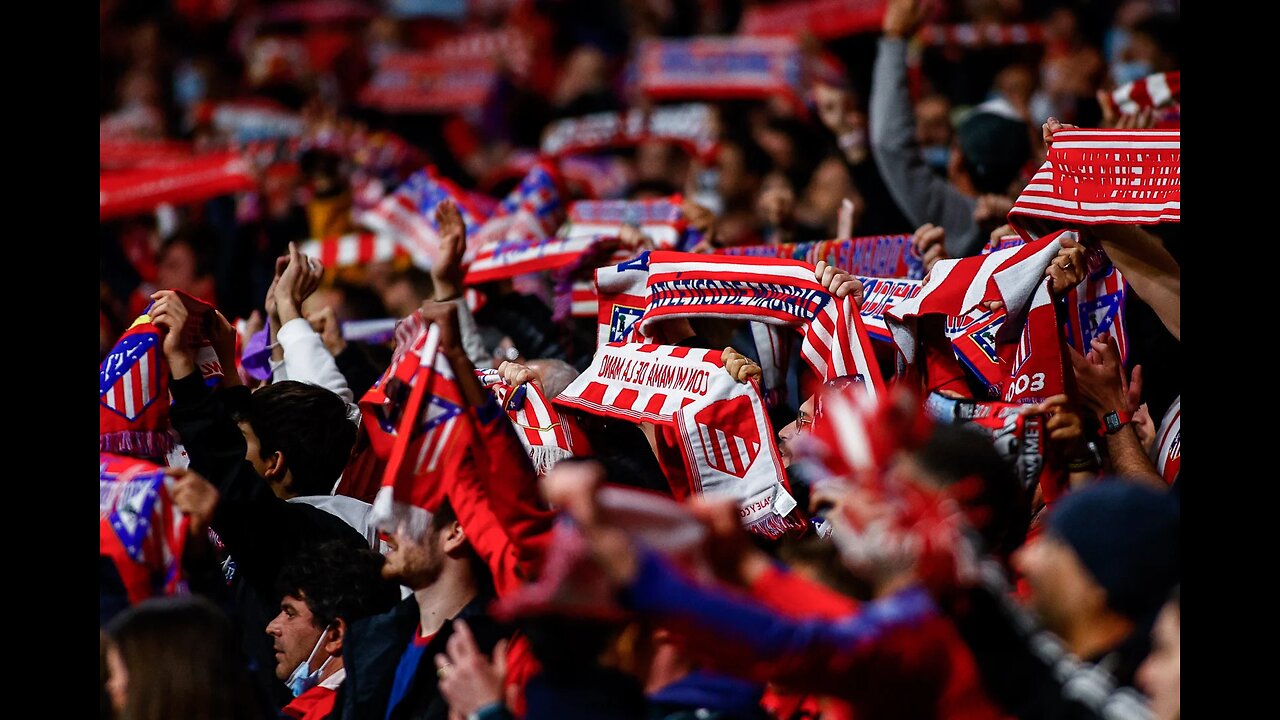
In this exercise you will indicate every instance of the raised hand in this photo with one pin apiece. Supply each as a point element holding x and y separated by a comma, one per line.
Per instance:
<point>928,242</point>
<point>739,366</point>
<point>446,274</point>
<point>468,680</point>
<point>325,322</point>
<point>299,280</point>
<point>838,282</point>
<point>194,496</point>
<point>169,313</point>
<point>1068,268</point>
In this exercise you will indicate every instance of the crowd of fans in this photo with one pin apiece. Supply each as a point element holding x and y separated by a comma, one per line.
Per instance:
<point>663,359</point>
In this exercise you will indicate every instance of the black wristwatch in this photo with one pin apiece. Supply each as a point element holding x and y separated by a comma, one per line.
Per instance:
<point>1115,420</point>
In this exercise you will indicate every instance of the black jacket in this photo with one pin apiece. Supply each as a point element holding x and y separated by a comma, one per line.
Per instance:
<point>261,532</point>
<point>371,653</point>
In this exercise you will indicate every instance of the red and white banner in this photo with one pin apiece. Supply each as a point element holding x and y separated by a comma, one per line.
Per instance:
<point>545,435</point>
<point>880,294</point>
<point>131,192</point>
<point>417,82</point>
<point>1093,177</point>
<point>725,436</point>
<point>660,219</point>
<point>690,126</point>
<point>824,19</point>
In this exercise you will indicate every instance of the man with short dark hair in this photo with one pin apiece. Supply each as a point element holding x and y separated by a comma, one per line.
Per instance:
<point>323,591</point>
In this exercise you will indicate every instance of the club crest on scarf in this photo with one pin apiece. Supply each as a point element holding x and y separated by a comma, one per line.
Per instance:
<point>730,436</point>
<point>127,502</point>
<point>129,379</point>
<point>624,316</point>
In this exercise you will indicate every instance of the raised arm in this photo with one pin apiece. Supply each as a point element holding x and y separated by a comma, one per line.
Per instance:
<point>922,195</point>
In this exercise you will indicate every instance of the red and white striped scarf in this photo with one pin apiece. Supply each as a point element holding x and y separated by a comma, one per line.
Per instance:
<point>1168,447</point>
<point>721,68</point>
<point>430,436</point>
<point>545,435</point>
<point>777,292</point>
<point>408,213</point>
<point>661,219</point>
<point>1153,91</point>
<point>880,294</point>
<point>725,437</point>
<point>691,126</point>
<point>1092,177</point>
<point>354,249</point>
<point>1030,346</point>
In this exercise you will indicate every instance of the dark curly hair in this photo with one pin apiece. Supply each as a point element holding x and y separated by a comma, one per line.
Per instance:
<point>337,580</point>
<point>309,425</point>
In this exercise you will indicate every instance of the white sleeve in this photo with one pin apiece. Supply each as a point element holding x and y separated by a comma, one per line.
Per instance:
<point>472,344</point>
<point>306,359</point>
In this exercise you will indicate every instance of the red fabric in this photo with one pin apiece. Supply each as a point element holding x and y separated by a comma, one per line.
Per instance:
<point>133,400</point>
<point>140,190</point>
<point>314,704</point>
<point>793,594</point>
<point>513,495</point>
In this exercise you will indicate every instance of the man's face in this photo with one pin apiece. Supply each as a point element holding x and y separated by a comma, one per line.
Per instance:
<point>253,449</point>
<point>294,635</point>
<point>414,563</point>
<point>1062,591</point>
<point>1160,675</point>
<point>802,423</point>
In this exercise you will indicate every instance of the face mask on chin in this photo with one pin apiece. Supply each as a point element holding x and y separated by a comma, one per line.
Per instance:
<point>301,680</point>
<point>936,156</point>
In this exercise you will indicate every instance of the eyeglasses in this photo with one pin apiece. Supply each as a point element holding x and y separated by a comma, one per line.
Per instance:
<point>803,420</point>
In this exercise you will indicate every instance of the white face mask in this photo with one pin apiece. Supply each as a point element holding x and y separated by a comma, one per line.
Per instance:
<point>301,680</point>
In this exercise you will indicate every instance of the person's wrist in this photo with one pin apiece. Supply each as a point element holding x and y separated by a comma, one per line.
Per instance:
<point>1113,421</point>
<point>181,364</point>
<point>491,710</point>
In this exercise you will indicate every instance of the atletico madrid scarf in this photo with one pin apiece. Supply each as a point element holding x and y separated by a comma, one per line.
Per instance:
<point>775,292</point>
<point>723,432</point>
<point>1157,90</point>
<point>1027,346</point>
<point>1093,177</point>
<point>416,420</point>
<point>180,181</point>
<point>526,218</point>
<point>722,68</point>
<point>691,126</point>
<point>408,214</point>
<point>354,249</point>
<point>133,383</point>
<point>140,528</point>
<point>546,436</point>
<point>423,82</point>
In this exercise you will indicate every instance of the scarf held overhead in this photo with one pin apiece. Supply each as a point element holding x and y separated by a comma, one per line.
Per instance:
<point>1093,177</point>
<point>724,433</point>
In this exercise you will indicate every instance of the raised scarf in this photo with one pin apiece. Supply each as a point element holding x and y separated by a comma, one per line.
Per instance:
<point>725,439</point>
<point>546,436</point>
<point>140,528</point>
<point>1092,177</point>
<point>721,68</point>
<point>691,126</point>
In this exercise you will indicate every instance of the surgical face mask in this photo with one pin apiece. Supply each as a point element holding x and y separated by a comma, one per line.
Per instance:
<point>936,156</point>
<point>301,680</point>
<point>1126,72</point>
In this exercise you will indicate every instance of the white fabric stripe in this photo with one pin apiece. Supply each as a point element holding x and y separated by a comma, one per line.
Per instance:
<point>1158,89</point>
<point>978,285</point>
<point>789,272</point>
<point>937,277</point>
<point>744,453</point>
<point>1106,146</point>
<point>127,386</point>
<point>111,396</point>
<point>348,250</point>
<point>611,394</point>
<point>1095,219</point>
<point>144,369</point>
<point>1131,206</point>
